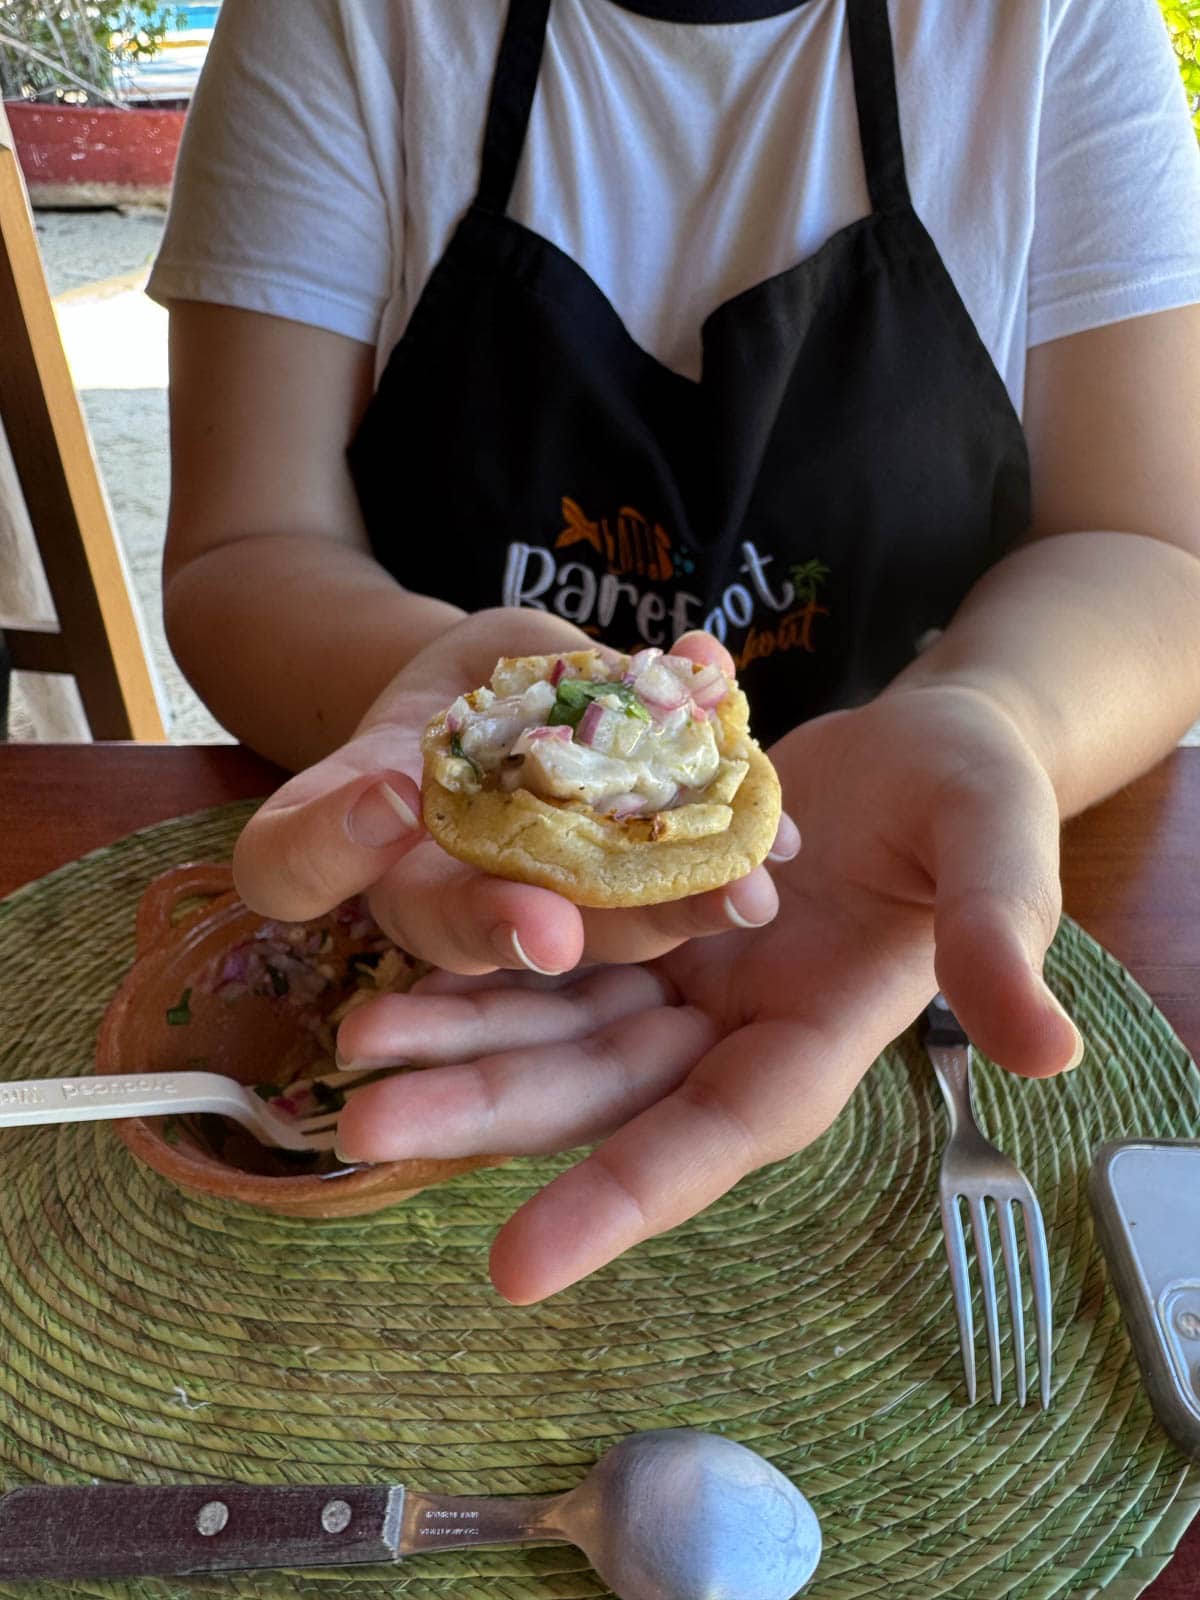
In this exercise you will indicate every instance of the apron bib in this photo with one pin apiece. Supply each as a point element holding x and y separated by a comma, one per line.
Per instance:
<point>846,467</point>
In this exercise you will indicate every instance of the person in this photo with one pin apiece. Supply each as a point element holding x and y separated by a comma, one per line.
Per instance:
<point>852,343</point>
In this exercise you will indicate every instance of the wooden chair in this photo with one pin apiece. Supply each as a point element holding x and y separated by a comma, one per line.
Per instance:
<point>76,616</point>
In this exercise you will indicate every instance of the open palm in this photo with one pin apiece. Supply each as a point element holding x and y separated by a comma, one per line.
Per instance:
<point>929,857</point>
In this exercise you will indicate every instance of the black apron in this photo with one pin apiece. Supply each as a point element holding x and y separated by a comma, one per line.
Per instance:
<point>847,466</point>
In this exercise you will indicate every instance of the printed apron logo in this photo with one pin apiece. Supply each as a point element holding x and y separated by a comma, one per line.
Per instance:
<point>632,547</point>
<point>635,546</point>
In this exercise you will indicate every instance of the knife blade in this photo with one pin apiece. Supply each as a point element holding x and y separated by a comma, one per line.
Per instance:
<point>129,1531</point>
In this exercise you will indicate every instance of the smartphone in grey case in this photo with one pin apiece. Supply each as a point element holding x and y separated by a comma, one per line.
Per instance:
<point>1145,1196</point>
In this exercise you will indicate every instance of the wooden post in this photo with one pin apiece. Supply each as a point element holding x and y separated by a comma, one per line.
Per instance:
<point>99,638</point>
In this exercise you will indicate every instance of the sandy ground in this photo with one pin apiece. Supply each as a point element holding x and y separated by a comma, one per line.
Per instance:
<point>96,263</point>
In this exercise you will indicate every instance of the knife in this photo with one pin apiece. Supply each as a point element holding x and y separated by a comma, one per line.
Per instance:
<point>663,1514</point>
<point>129,1531</point>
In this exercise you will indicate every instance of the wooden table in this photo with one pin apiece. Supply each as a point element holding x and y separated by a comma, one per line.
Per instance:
<point>1131,875</point>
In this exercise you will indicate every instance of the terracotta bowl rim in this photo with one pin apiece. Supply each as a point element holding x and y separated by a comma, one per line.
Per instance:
<point>158,948</point>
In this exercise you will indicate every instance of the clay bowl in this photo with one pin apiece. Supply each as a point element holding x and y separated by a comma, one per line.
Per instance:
<point>189,924</point>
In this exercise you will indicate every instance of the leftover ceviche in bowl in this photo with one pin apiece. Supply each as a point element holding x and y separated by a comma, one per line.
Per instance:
<point>217,988</point>
<point>614,782</point>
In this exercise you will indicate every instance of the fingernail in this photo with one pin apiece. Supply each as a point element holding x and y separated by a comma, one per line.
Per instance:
<point>1080,1047</point>
<point>1077,1053</point>
<point>509,936</point>
<point>380,817</point>
<point>342,1065</point>
<point>738,920</point>
<point>786,844</point>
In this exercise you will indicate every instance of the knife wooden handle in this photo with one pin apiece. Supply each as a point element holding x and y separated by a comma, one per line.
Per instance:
<point>124,1531</point>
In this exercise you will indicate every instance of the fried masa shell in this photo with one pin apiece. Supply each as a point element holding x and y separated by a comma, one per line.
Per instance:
<point>595,860</point>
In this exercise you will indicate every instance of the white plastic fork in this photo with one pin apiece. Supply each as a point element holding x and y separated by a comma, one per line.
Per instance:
<point>26,1102</point>
<point>974,1170</point>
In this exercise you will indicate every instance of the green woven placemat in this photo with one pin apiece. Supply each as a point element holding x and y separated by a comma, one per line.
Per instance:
<point>153,1336</point>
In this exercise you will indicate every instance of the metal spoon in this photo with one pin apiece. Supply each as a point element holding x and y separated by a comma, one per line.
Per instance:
<point>668,1515</point>
<point>680,1515</point>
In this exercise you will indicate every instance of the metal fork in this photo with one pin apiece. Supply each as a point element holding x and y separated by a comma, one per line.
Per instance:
<point>974,1170</point>
<point>28,1101</point>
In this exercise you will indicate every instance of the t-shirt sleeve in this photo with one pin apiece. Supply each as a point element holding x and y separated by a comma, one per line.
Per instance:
<point>1117,206</point>
<point>278,205</point>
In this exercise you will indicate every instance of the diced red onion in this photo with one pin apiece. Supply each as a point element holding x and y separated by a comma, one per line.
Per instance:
<point>625,805</point>
<point>591,723</point>
<point>699,714</point>
<point>682,666</point>
<point>236,962</point>
<point>658,686</point>
<point>709,687</point>
<point>561,732</point>
<point>640,661</point>
<point>560,667</point>
<point>458,714</point>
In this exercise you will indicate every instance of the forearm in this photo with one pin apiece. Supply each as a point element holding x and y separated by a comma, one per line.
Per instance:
<point>289,638</point>
<point>1091,643</point>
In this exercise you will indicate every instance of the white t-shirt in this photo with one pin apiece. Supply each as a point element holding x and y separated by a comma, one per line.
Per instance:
<point>333,145</point>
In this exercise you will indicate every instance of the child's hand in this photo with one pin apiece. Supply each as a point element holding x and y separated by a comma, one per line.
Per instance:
<point>351,823</point>
<point>930,859</point>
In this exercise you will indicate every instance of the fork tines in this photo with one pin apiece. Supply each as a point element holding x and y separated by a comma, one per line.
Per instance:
<point>975,1171</point>
<point>1036,1249</point>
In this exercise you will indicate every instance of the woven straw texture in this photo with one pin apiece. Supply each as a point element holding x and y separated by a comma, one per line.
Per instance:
<point>153,1336</point>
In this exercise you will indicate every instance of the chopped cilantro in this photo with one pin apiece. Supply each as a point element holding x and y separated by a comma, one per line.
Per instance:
<point>456,749</point>
<point>180,1015</point>
<point>576,694</point>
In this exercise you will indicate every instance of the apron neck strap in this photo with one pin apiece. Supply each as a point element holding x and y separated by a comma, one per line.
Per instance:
<point>513,87</point>
<point>878,113</point>
<point>519,63</point>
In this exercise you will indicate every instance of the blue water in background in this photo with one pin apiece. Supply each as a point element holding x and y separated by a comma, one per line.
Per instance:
<point>197,16</point>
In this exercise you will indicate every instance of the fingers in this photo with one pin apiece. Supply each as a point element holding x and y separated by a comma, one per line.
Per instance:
<point>530,1101</point>
<point>430,1025</point>
<point>352,822</point>
<point>786,846</point>
<point>996,912</point>
<point>461,920</point>
<point>647,932</point>
<point>325,836</point>
<point>762,1093</point>
<point>706,649</point>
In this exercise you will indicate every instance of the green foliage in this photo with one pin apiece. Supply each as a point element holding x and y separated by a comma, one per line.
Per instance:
<point>93,40</point>
<point>1183,24</point>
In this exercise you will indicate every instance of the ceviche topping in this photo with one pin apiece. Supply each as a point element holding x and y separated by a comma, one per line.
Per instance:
<point>628,741</point>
